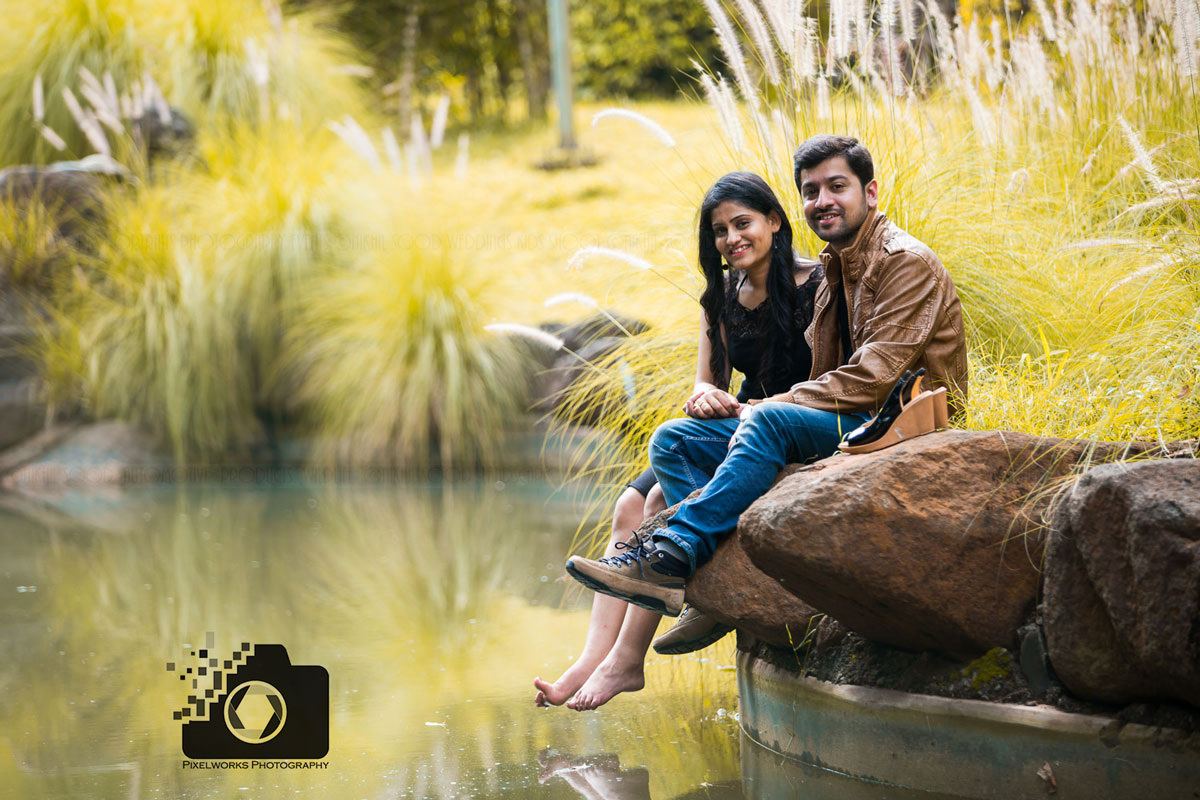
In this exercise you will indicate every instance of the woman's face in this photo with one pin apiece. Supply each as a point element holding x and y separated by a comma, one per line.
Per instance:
<point>743,235</point>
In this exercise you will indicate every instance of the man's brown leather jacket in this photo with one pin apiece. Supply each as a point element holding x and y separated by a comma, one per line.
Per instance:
<point>903,312</point>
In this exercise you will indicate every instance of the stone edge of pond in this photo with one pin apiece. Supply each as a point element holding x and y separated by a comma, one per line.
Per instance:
<point>968,748</point>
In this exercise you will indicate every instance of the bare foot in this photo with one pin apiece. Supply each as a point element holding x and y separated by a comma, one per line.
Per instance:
<point>557,693</point>
<point>609,680</point>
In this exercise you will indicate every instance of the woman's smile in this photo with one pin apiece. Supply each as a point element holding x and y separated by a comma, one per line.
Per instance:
<point>743,235</point>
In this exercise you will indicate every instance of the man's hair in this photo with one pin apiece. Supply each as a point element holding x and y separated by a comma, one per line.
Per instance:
<point>825,146</point>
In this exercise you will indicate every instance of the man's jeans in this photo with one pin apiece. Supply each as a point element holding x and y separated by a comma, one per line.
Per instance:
<point>687,454</point>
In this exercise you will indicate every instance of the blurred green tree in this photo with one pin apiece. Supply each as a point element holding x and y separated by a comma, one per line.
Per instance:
<point>493,56</point>
<point>639,48</point>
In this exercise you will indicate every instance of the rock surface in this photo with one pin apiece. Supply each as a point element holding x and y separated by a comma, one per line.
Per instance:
<point>22,412</point>
<point>100,454</point>
<point>1122,583</point>
<point>585,344</point>
<point>733,591</point>
<point>933,544</point>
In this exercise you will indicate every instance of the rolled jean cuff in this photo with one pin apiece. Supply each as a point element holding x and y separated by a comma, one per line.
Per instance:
<point>682,542</point>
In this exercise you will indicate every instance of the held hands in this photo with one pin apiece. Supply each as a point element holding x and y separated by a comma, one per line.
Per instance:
<point>748,409</point>
<point>712,404</point>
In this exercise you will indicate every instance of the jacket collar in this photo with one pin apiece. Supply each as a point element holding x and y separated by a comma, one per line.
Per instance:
<point>848,259</point>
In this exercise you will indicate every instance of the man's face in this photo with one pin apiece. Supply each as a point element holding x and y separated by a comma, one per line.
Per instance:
<point>835,201</point>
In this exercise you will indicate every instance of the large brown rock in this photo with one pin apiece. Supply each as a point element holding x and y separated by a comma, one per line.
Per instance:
<point>1122,583</point>
<point>732,590</point>
<point>933,544</point>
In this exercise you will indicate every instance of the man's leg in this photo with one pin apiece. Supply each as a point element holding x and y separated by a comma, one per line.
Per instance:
<point>653,574</point>
<point>775,434</point>
<point>686,452</point>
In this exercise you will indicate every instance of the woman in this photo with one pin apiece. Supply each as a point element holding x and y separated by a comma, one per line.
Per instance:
<point>757,302</point>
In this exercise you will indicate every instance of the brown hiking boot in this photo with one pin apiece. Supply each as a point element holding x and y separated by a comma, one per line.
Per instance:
<point>694,631</point>
<point>643,576</point>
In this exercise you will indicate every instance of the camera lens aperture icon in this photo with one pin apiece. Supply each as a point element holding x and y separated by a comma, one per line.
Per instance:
<point>255,712</point>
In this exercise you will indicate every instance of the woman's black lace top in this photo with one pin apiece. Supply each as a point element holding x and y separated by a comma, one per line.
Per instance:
<point>746,330</point>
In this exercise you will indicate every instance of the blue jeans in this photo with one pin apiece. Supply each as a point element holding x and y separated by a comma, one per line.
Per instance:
<point>688,454</point>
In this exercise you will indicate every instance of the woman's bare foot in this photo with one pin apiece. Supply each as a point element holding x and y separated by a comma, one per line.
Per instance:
<point>610,679</point>
<point>557,693</point>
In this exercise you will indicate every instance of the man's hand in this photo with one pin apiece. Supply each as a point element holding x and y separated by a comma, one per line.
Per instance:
<point>782,397</point>
<point>712,404</point>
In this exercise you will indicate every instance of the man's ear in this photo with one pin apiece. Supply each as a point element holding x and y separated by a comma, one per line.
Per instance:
<point>872,192</point>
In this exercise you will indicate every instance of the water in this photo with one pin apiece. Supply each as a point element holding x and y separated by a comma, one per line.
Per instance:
<point>431,606</point>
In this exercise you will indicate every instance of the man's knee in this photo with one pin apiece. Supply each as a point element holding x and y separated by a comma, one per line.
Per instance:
<point>666,437</point>
<point>769,418</point>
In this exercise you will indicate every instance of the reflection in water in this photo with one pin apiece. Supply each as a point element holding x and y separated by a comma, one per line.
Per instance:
<point>601,777</point>
<point>430,605</point>
<point>597,777</point>
<point>766,774</point>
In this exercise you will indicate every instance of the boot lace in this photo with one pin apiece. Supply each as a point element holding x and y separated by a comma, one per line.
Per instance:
<point>639,550</point>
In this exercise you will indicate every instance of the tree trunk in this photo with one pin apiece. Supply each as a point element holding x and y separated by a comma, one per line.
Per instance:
<point>531,66</point>
<point>503,76</point>
<point>408,63</point>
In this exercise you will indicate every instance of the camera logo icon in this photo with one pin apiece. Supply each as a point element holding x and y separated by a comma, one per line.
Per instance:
<point>255,712</point>
<point>255,705</point>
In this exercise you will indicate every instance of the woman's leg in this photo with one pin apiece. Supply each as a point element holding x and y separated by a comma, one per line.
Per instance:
<point>622,669</point>
<point>607,612</point>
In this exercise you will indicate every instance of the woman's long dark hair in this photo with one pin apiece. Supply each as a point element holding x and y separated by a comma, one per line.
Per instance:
<point>751,191</point>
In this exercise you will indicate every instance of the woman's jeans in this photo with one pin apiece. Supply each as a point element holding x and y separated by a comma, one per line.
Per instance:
<point>688,454</point>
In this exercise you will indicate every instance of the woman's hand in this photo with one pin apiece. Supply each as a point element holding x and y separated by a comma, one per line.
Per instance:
<point>711,404</point>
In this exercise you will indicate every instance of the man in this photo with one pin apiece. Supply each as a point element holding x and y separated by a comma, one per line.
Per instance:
<point>886,305</point>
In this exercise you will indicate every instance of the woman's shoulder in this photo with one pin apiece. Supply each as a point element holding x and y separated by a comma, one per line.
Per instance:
<point>807,271</point>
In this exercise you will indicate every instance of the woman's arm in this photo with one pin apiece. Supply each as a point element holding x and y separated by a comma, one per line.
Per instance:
<point>707,400</point>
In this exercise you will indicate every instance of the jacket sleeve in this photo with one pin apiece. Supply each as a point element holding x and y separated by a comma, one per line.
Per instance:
<point>908,299</point>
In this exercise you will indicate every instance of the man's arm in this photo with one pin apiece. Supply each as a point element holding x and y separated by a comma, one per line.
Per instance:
<point>908,301</point>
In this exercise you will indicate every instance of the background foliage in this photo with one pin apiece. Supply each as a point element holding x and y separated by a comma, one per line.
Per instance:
<point>493,56</point>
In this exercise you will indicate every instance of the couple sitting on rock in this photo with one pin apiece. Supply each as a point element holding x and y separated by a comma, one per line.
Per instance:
<point>821,347</point>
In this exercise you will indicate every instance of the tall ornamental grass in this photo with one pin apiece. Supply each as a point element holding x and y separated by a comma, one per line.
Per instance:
<point>147,335</point>
<point>278,282</point>
<point>391,364</point>
<point>216,60</point>
<point>224,294</point>
<point>1050,162</point>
